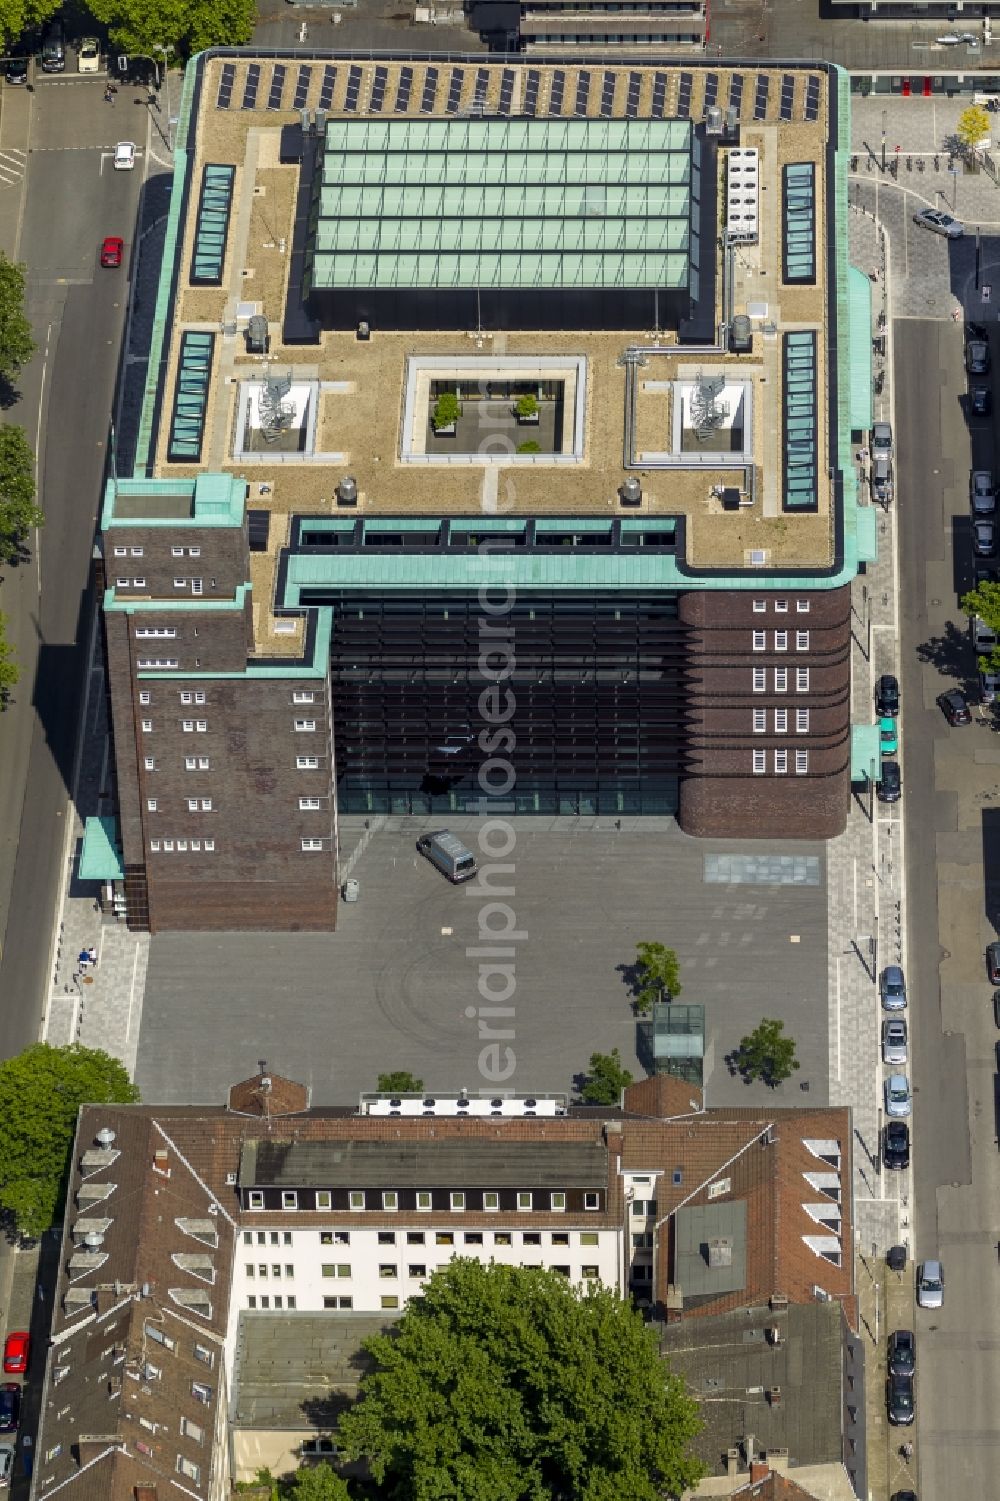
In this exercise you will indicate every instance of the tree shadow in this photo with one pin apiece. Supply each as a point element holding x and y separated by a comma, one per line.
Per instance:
<point>950,654</point>
<point>10,394</point>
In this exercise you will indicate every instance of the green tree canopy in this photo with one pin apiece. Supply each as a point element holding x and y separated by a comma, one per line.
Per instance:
<point>186,26</point>
<point>766,1053</point>
<point>399,1082</point>
<point>984,601</point>
<point>658,972</point>
<point>510,1383</point>
<point>317,1483</point>
<point>16,343</point>
<point>18,512</point>
<point>9,671</point>
<point>606,1079</point>
<point>41,1091</point>
<point>973,125</point>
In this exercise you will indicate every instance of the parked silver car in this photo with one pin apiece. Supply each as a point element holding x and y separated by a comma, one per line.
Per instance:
<point>982,493</point>
<point>882,440</point>
<point>941,223</point>
<point>897,1095</point>
<point>892,988</point>
<point>894,1039</point>
<point>930,1284</point>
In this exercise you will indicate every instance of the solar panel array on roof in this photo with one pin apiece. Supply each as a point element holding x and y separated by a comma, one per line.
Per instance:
<point>684,95</point>
<point>659,96</point>
<point>582,93</point>
<point>608,95</point>
<point>378,89</point>
<point>531,91</point>
<point>455,89</point>
<point>430,90</point>
<point>302,87</point>
<point>251,86</point>
<point>482,85</point>
<point>226,82</point>
<point>326,92</point>
<point>812,98</point>
<point>760,98</point>
<point>634,90</point>
<point>736,92</point>
<point>787,95</point>
<point>556,92</point>
<point>403,92</point>
<point>506,91</point>
<point>354,78</point>
<point>277,86</point>
<point>711,89</point>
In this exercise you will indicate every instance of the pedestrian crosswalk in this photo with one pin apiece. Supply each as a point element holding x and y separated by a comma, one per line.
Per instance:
<point>12,165</point>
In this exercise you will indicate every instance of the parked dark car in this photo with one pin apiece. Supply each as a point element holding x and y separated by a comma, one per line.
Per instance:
<point>977,357</point>
<point>996,1007</point>
<point>902,1355</point>
<point>887,695</point>
<point>955,706</point>
<point>890,786</point>
<point>993,963</point>
<point>981,401</point>
<point>904,1496</point>
<point>895,1257</point>
<point>899,1400</point>
<point>10,1406</point>
<point>16,70</point>
<point>896,1144</point>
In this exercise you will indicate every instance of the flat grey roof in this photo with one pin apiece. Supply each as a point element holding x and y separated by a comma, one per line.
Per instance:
<point>154,507</point>
<point>299,1370</point>
<point>695,1230</point>
<point>454,1162</point>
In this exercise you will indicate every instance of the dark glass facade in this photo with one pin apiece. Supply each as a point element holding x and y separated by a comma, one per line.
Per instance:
<point>591,718</point>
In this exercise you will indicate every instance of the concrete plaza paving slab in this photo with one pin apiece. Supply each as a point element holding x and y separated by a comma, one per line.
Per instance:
<point>396,986</point>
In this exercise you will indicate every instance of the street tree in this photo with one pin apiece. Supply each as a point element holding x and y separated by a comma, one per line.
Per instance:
<point>400,1082</point>
<point>767,1054</point>
<point>606,1079</point>
<point>658,974</point>
<point>316,1483</point>
<point>16,343</point>
<point>41,1091</point>
<point>509,1382</point>
<point>182,27</point>
<point>18,512</point>
<point>9,671</point>
<point>973,127</point>
<point>984,601</point>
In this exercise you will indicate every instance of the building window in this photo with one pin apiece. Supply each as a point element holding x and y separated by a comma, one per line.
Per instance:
<point>531,1238</point>
<point>305,726</point>
<point>153,664</point>
<point>342,1302</point>
<point>473,1237</point>
<point>206,805</point>
<point>802,721</point>
<point>120,552</point>
<point>201,725</point>
<point>759,721</point>
<point>150,763</point>
<point>423,1199</point>
<point>301,697</point>
<point>190,763</point>
<point>192,1430</point>
<point>185,698</point>
<point>387,1269</point>
<point>780,762</point>
<point>289,1199</point>
<point>151,804</point>
<point>256,1198</point>
<point>168,846</point>
<point>416,1269</point>
<point>559,1201</point>
<point>262,1270</point>
<point>590,1273</point>
<point>759,679</point>
<point>151,632</point>
<point>458,1201</point>
<point>251,1301</point>
<point>588,1238</point>
<point>289,1302</point>
<point>491,1202</point>
<point>444,1238</point>
<point>357,1198</point>
<point>802,606</point>
<point>192,805</point>
<point>145,698</point>
<point>199,698</point>
<point>781,721</point>
<point>560,1237</point>
<point>203,763</point>
<point>154,845</point>
<point>309,804</point>
<point>387,1237</point>
<point>801,762</point>
<point>801,640</point>
<point>189,1468</point>
<point>323,1199</point>
<point>524,1201</point>
<point>414,1237</point>
<point>311,846</point>
<point>141,584</point>
<point>591,1201</point>
<point>306,763</point>
<point>759,762</point>
<point>177,552</point>
<point>781,606</point>
<point>335,1269</point>
<point>180,583</point>
<point>502,1238</point>
<point>781,640</point>
<point>759,640</point>
<point>759,606</point>
<point>205,1355</point>
<point>389,1301</point>
<point>781,680</point>
<point>201,1392</point>
<point>121,583</point>
<point>390,1199</point>
<point>210,846</point>
<point>802,679</point>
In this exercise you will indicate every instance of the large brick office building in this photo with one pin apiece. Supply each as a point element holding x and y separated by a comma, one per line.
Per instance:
<point>633,281</point>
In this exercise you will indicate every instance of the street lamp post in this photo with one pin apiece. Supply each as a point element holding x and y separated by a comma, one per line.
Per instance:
<point>166,50</point>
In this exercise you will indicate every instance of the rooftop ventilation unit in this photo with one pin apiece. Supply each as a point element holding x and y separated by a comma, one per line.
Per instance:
<point>743,194</point>
<point>715,121</point>
<point>347,491</point>
<point>630,492</point>
<point>105,1137</point>
<point>720,1253</point>
<point>93,1239</point>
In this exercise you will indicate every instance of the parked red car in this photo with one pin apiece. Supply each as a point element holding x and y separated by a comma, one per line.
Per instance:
<point>112,248</point>
<point>15,1353</point>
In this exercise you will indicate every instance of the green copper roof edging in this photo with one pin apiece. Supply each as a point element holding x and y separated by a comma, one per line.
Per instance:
<point>216,500</point>
<point>317,666</point>
<point>126,606</point>
<point>866,753</point>
<point>100,852</point>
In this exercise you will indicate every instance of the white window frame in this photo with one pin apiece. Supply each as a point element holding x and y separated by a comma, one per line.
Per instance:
<point>781,606</point>
<point>759,640</point>
<point>190,763</point>
<point>801,640</point>
<point>194,552</point>
<point>177,552</point>
<point>760,721</point>
<point>591,1200</point>
<point>199,696</point>
<point>781,640</point>
<point>781,680</point>
<point>187,725</point>
<point>189,1469</point>
<point>311,846</point>
<point>255,1198</point>
<point>136,552</point>
<point>206,805</point>
<point>147,725</point>
<point>305,726</point>
<point>491,1202</point>
<point>356,1199</point>
<point>180,583</point>
<point>289,1198</point>
<point>300,696</point>
<point>524,1200</point>
<point>307,763</point>
<point>781,721</point>
<point>151,805</point>
<point>802,606</point>
<point>121,552</point>
<point>802,680</point>
<point>324,1199</point>
<point>457,1202</point>
<point>154,845</point>
<point>802,721</point>
<point>210,846</point>
<point>760,680</point>
<point>139,583</point>
<point>390,1200</point>
<point>201,725</point>
<point>781,763</point>
<point>425,1202</point>
<point>149,762</point>
<point>759,606</point>
<point>145,697</point>
<point>185,698</point>
<point>759,762</point>
<point>558,1203</point>
<point>123,583</point>
<point>192,805</point>
<point>204,764</point>
<point>309,804</point>
<point>801,762</point>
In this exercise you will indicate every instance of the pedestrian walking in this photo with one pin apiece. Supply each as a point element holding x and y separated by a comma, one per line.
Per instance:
<point>92,956</point>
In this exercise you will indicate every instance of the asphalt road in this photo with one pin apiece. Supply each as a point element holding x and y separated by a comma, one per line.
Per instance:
<point>77,312</point>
